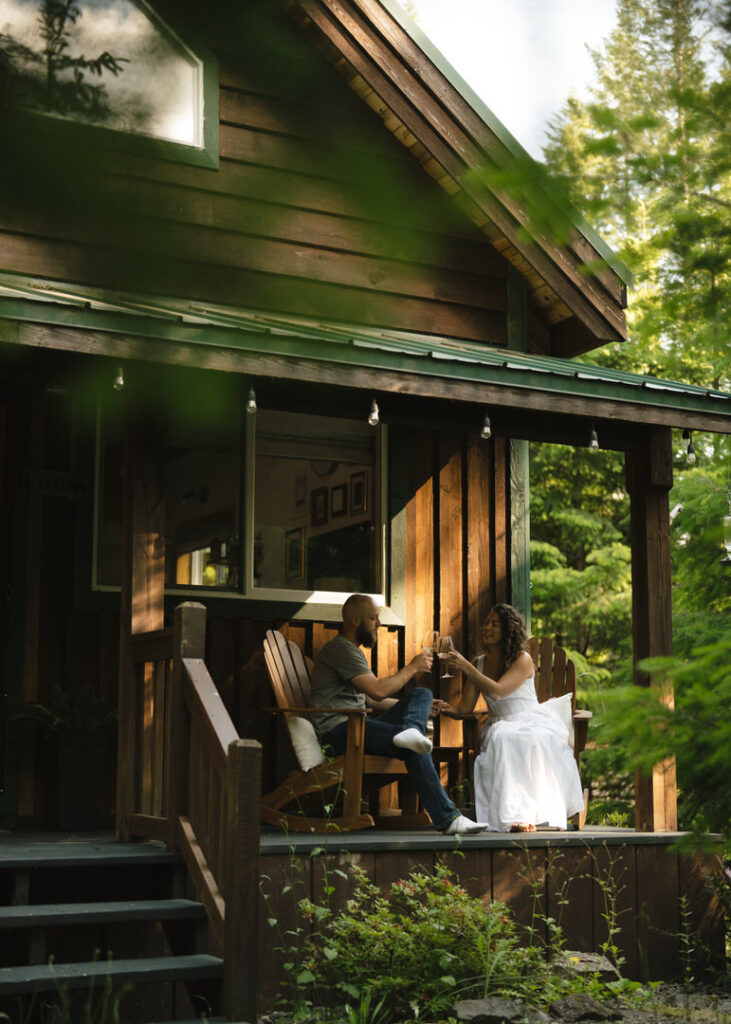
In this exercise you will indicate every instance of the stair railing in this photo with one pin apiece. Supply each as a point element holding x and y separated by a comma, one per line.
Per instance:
<point>198,787</point>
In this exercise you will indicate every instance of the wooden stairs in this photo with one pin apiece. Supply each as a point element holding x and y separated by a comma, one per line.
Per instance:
<point>75,912</point>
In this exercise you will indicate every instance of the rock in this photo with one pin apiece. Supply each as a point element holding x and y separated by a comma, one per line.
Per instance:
<point>498,1010</point>
<point>574,961</point>
<point>581,1007</point>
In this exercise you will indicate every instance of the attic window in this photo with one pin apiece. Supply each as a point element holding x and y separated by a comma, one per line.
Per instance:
<point>112,64</point>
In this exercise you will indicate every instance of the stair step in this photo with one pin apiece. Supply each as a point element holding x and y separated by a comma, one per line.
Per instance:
<point>205,1020</point>
<point>41,914</point>
<point>45,977</point>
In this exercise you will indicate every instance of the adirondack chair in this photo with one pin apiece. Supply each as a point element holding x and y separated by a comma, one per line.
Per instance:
<point>555,676</point>
<point>351,774</point>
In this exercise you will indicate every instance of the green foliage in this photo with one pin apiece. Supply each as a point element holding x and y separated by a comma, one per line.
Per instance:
<point>82,711</point>
<point>648,161</point>
<point>421,946</point>
<point>638,721</point>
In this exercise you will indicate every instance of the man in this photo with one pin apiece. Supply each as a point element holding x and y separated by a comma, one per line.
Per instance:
<point>342,679</point>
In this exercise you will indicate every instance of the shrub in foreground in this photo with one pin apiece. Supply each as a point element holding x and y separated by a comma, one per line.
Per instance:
<point>419,947</point>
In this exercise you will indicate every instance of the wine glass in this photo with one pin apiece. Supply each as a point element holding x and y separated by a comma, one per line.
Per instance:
<point>445,645</point>
<point>430,642</point>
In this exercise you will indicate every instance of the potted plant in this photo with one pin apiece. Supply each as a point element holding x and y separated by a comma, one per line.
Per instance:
<point>82,723</point>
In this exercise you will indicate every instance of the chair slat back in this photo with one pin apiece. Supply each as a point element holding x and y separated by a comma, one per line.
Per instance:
<point>287,671</point>
<point>555,673</point>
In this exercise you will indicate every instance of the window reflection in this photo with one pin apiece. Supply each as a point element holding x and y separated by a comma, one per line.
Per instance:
<point>314,521</point>
<point>105,62</point>
<point>202,506</point>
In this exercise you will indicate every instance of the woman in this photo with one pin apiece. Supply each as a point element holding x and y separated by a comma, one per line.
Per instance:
<point>526,773</point>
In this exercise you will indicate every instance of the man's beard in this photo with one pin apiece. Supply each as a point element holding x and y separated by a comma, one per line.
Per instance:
<point>364,636</point>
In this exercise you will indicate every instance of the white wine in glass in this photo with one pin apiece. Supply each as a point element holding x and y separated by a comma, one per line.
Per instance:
<point>430,642</point>
<point>444,647</point>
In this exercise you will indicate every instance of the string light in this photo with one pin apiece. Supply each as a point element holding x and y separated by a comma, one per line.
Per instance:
<point>119,379</point>
<point>251,402</point>
<point>486,429</point>
<point>690,449</point>
<point>374,415</point>
<point>593,440</point>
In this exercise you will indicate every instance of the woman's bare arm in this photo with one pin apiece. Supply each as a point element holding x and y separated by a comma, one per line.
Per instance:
<point>520,670</point>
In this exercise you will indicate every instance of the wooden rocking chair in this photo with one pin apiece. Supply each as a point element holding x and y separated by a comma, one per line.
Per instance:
<point>349,773</point>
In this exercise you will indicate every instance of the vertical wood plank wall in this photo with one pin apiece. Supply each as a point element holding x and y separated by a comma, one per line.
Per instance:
<point>583,887</point>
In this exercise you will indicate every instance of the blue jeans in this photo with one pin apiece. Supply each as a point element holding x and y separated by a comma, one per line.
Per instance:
<point>412,711</point>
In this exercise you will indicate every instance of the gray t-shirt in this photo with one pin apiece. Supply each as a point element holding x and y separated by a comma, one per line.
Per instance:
<point>339,661</point>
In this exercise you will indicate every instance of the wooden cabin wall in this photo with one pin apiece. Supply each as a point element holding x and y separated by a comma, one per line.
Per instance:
<point>449,487</point>
<point>50,637</point>
<point>315,209</point>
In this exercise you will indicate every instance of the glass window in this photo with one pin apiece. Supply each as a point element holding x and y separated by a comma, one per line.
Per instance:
<point>201,468</point>
<point>311,510</point>
<point>202,503</point>
<point>103,62</point>
<point>315,515</point>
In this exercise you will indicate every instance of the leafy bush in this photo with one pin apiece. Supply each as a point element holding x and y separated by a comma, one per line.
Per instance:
<point>697,731</point>
<point>423,945</point>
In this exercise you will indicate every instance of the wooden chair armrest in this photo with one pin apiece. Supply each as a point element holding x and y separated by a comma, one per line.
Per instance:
<point>583,714</point>
<point>464,716</point>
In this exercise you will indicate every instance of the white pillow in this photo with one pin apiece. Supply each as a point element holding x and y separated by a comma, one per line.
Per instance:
<point>305,742</point>
<point>562,707</point>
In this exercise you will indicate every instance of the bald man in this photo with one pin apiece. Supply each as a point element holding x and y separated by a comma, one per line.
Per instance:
<point>342,679</point>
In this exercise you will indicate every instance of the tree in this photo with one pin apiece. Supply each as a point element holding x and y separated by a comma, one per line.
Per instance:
<point>647,161</point>
<point>49,78</point>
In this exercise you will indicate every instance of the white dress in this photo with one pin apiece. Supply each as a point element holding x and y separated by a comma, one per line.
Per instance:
<point>526,770</point>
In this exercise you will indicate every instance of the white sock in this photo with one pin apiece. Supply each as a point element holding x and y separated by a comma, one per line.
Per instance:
<point>412,739</point>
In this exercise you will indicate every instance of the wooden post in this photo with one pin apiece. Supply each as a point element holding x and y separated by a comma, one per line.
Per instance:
<point>142,591</point>
<point>189,641</point>
<point>241,880</point>
<point>649,478</point>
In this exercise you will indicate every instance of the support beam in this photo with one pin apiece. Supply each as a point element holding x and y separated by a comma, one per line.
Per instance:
<point>649,479</point>
<point>142,590</point>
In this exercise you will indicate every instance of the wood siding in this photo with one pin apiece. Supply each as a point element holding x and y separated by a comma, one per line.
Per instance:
<point>314,210</point>
<point>581,886</point>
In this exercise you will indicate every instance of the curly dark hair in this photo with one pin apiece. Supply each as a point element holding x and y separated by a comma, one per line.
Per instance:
<point>515,638</point>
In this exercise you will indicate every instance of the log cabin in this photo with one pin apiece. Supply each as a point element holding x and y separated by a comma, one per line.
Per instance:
<point>285,339</point>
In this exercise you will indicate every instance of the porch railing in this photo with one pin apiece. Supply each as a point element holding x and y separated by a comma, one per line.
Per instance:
<point>197,788</point>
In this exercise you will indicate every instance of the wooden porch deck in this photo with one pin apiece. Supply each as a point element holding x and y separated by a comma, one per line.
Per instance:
<point>581,879</point>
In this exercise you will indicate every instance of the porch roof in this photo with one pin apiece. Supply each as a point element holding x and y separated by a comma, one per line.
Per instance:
<point>387,360</point>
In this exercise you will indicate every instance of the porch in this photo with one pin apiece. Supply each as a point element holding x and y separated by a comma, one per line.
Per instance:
<point>586,881</point>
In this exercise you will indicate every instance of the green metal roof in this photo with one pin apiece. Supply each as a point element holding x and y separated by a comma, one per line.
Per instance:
<point>296,337</point>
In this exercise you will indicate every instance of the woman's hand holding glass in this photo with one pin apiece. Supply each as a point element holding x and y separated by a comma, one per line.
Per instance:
<point>455,660</point>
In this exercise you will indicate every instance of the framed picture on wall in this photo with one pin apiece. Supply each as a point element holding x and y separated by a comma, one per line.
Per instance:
<point>300,491</point>
<point>294,554</point>
<point>319,506</point>
<point>358,492</point>
<point>338,500</point>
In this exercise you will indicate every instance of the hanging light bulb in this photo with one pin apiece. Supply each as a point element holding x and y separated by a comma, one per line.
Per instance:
<point>727,536</point>
<point>374,415</point>
<point>119,379</point>
<point>251,402</point>
<point>486,429</point>
<point>690,449</point>
<point>593,440</point>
